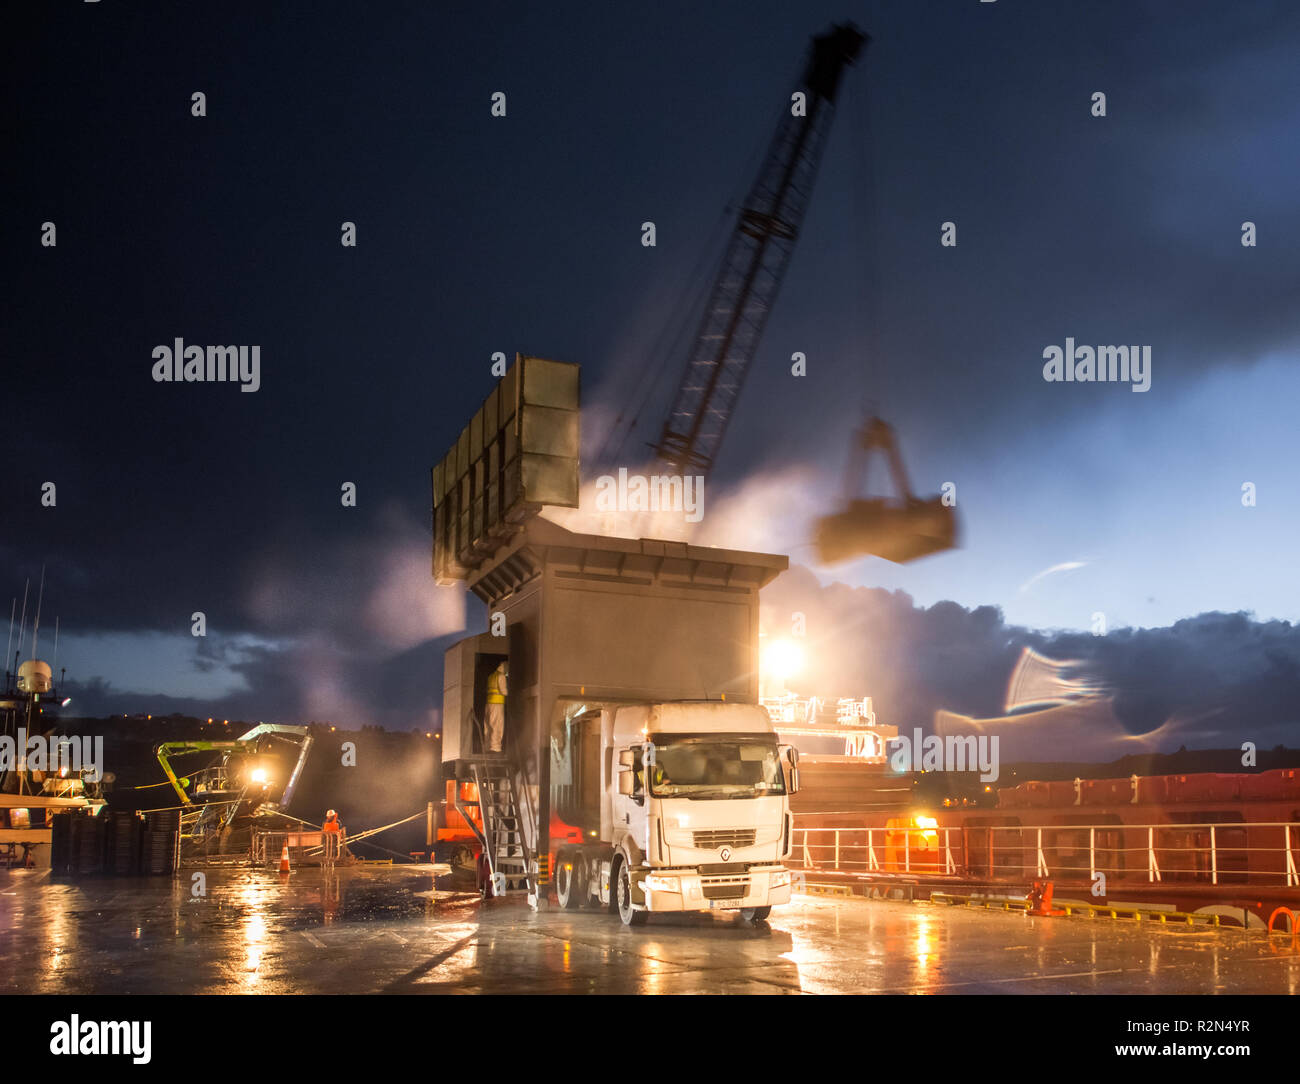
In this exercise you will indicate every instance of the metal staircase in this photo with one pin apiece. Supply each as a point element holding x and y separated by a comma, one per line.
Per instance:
<point>502,835</point>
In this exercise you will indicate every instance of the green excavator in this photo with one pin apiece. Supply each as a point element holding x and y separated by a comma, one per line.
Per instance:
<point>252,776</point>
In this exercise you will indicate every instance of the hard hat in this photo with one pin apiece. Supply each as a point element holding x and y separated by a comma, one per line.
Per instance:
<point>330,814</point>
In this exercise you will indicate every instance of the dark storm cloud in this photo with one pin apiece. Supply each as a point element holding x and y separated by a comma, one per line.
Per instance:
<point>476,237</point>
<point>297,683</point>
<point>1214,679</point>
<point>1118,229</point>
<point>361,591</point>
<point>1211,680</point>
<point>1215,674</point>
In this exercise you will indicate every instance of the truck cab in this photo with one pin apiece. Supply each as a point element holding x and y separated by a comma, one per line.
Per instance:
<point>694,813</point>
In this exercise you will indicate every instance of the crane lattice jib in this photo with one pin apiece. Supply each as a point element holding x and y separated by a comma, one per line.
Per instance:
<point>755,261</point>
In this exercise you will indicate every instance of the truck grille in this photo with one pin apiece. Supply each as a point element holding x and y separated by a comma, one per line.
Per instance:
<point>724,837</point>
<point>724,869</point>
<point>724,888</point>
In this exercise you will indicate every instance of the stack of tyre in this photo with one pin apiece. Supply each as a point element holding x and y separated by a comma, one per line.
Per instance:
<point>63,849</point>
<point>120,844</point>
<point>77,844</point>
<point>125,833</point>
<point>92,837</point>
<point>162,842</point>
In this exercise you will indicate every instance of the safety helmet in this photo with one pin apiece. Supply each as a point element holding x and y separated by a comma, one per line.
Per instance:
<point>330,814</point>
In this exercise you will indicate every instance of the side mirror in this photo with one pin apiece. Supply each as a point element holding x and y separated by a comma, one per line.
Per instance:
<point>627,782</point>
<point>789,762</point>
<point>627,758</point>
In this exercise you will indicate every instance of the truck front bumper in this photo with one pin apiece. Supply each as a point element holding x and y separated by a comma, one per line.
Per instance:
<point>688,890</point>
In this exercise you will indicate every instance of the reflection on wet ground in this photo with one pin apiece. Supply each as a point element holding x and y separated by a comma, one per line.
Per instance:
<point>414,929</point>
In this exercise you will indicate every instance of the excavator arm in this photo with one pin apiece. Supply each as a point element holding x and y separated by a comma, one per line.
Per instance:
<point>247,744</point>
<point>167,750</point>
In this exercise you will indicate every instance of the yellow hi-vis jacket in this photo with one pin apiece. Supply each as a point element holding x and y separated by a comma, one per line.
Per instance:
<point>495,693</point>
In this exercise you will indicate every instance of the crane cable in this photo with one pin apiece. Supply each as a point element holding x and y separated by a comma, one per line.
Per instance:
<point>712,253</point>
<point>867,310</point>
<point>657,367</point>
<point>361,836</point>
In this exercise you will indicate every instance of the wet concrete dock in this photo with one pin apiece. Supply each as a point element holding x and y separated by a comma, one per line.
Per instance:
<point>414,929</point>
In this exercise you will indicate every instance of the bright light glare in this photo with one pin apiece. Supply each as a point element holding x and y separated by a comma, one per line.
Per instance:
<point>258,775</point>
<point>783,658</point>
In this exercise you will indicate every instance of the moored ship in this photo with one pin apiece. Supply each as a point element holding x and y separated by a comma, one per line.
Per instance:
<point>41,774</point>
<point>1221,844</point>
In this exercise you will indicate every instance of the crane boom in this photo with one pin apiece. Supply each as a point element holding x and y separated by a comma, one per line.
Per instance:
<point>756,258</point>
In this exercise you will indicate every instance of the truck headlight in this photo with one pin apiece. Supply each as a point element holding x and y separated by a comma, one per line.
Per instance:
<point>779,880</point>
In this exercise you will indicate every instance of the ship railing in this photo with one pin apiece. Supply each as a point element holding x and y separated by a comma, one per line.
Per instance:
<point>854,849</point>
<point>1240,852</point>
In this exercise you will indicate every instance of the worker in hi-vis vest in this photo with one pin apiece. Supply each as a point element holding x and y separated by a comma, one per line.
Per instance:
<point>496,708</point>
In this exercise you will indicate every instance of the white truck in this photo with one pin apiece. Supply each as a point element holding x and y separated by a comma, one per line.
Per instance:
<point>637,758</point>
<point>694,811</point>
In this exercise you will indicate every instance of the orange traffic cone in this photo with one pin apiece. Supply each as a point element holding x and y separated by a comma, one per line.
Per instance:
<point>284,859</point>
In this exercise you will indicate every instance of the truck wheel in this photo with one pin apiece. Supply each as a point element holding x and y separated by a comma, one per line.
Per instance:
<point>612,905</point>
<point>623,892</point>
<point>570,881</point>
<point>755,914</point>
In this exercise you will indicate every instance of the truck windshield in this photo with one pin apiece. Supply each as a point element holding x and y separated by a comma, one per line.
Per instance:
<point>715,768</point>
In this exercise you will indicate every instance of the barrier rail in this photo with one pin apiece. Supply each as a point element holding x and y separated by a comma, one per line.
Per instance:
<point>1255,853</point>
<point>311,848</point>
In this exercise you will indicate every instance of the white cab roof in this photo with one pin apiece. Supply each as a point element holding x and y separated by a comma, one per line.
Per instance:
<point>635,721</point>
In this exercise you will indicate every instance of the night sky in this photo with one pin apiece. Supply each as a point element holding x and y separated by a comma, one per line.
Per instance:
<point>478,234</point>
